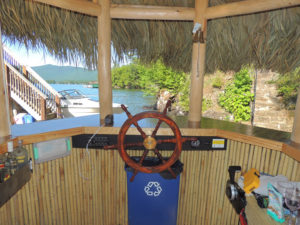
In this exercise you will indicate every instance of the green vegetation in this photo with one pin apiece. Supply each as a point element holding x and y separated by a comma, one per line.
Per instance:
<point>206,104</point>
<point>217,82</point>
<point>288,85</point>
<point>152,79</point>
<point>237,96</point>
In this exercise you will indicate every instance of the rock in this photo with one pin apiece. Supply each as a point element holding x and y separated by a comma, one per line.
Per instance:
<point>164,96</point>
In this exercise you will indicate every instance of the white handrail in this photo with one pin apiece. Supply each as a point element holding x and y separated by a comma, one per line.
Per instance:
<point>26,81</point>
<point>32,72</point>
<point>42,81</point>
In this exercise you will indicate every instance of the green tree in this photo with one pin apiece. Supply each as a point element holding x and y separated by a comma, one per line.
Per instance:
<point>237,97</point>
<point>152,79</point>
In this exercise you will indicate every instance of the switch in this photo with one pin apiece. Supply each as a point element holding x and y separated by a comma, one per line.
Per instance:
<point>195,144</point>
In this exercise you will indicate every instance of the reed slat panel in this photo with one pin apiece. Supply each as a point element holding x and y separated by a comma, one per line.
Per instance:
<point>80,190</point>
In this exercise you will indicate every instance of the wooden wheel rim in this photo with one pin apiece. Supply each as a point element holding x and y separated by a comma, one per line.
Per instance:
<point>154,169</point>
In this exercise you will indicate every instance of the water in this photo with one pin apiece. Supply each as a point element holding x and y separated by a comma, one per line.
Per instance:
<point>134,99</point>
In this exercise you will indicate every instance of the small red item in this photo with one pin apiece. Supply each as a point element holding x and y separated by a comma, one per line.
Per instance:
<point>243,219</point>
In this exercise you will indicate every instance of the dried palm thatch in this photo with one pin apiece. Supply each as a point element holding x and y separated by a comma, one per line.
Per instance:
<point>267,40</point>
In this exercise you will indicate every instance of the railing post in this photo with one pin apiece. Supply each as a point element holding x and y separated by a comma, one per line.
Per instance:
<point>25,72</point>
<point>58,107</point>
<point>43,108</point>
<point>10,101</point>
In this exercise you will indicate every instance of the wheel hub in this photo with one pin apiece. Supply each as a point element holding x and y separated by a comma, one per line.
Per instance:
<point>149,143</point>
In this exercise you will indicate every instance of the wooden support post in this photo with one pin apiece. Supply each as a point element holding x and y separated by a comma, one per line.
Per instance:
<point>104,61</point>
<point>4,113</point>
<point>198,67</point>
<point>295,137</point>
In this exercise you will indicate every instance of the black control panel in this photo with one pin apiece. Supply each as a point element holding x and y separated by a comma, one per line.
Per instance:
<point>101,140</point>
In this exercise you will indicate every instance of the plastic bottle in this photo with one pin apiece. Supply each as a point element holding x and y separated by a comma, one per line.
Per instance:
<point>2,167</point>
<point>21,154</point>
<point>11,161</point>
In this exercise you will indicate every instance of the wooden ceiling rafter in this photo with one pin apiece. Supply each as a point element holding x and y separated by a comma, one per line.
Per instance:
<point>120,11</point>
<point>84,7</point>
<point>247,7</point>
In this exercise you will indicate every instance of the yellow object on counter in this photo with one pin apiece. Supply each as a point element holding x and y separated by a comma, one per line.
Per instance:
<point>251,180</point>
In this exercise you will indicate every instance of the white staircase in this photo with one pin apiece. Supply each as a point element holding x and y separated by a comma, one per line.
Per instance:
<point>30,90</point>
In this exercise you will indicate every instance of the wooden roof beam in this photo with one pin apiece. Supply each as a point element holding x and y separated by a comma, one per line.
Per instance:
<point>123,11</point>
<point>247,7</point>
<point>144,12</point>
<point>84,7</point>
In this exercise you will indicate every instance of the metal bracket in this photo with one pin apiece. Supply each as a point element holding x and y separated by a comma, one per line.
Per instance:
<point>198,35</point>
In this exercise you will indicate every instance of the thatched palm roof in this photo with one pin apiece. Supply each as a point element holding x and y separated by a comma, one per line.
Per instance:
<point>268,40</point>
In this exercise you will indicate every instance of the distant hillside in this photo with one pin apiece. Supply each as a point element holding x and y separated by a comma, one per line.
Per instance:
<point>65,74</point>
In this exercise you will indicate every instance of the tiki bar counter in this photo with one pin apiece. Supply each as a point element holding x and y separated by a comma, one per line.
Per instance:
<point>150,167</point>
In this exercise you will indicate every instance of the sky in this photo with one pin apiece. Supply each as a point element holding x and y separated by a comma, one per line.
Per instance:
<point>32,58</point>
<point>39,58</point>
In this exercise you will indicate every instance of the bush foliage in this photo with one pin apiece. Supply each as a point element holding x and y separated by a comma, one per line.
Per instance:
<point>152,79</point>
<point>288,85</point>
<point>237,96</point>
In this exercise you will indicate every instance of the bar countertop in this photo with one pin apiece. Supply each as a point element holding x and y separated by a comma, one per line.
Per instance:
<point>119,119</point>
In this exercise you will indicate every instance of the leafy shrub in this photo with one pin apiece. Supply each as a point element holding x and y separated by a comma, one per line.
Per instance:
<point>217,82</point>
<point>237,96</point>
<point>152,79</point>
<point>206,104</point>
<point>184,95</point>
<point>287,88</point>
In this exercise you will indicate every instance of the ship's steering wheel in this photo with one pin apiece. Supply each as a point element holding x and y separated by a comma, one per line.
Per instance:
<point>150,142</point>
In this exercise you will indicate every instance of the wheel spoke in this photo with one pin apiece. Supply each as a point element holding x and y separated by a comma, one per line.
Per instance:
<point>134,144</point>
<point>145,153</point>
<point>134,122</point>
<point>126,145</point>
<point>135,172</point>
<point>173,140</point>
<point>164,161</point>
<point>159,122</point>
<point>166,141</point>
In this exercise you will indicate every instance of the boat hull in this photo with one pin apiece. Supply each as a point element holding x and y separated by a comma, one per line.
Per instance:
<point>70,111</point>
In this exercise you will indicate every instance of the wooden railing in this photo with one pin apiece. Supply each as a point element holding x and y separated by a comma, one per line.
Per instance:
<point>22,89</point>
<point>9,59</point>
<point>53,97</point>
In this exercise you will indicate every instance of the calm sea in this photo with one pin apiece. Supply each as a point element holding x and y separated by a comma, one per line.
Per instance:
<point>136,100</point>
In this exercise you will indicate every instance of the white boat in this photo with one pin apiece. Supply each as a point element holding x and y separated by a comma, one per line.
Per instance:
<point>75,104</point>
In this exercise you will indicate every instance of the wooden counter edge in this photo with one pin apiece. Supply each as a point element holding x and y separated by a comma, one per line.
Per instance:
<point>35,138</point>
<point>271,144</point>
<point>292,151</point>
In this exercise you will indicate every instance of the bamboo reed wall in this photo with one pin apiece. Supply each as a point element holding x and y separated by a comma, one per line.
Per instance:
<point>81,190</point>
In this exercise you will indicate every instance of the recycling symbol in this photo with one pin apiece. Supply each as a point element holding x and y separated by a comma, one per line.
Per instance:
<point>153,188</point>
